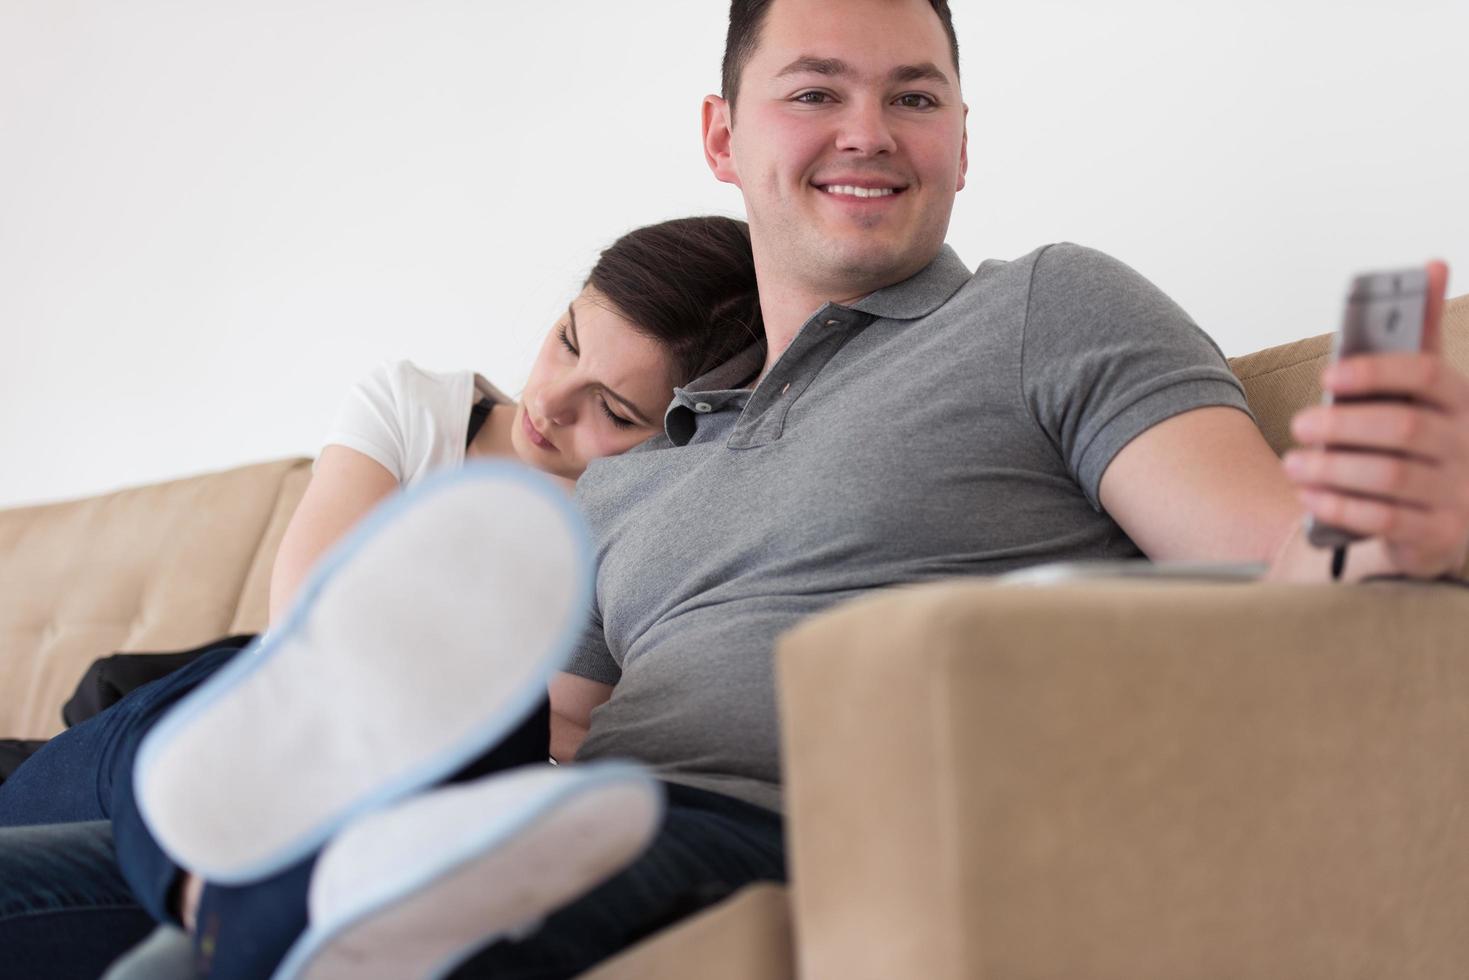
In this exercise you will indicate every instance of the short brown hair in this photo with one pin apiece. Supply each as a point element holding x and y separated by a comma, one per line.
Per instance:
<point>745,20</point>
<point>687,284</point>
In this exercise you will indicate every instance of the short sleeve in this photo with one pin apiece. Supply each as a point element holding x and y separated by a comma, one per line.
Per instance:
<point>411,420</point>
<point>591,658</point>
<point>1107,356</point>
<point>370,419</point>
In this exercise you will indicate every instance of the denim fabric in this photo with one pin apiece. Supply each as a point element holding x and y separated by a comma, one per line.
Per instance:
<point>74,896</point>
<point>65,911</point>
<point>71,778</point>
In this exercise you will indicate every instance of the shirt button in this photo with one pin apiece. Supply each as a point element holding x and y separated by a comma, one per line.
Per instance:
<point>832,323</point>
<point>786,388</point>
<point>703,407</point>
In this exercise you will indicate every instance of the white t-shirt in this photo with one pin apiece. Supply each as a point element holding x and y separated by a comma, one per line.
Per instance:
<point>410,420</point>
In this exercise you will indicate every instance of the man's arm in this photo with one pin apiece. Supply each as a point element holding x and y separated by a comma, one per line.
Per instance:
<point>572,701</point>
<point>1204,484</point>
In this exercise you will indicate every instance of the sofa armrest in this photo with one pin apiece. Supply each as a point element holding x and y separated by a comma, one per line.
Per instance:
<point>1130,780</point>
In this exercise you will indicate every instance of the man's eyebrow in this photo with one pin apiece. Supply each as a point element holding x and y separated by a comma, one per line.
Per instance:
<point>835,67</point>
<point>811,65</point>
<point>926,72</point>
<point>628,406</point>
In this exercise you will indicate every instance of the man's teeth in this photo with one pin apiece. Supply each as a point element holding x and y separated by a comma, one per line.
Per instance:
<point>859,191</point>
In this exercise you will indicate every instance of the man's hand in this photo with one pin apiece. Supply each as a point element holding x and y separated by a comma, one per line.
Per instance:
<point>1394,471</point>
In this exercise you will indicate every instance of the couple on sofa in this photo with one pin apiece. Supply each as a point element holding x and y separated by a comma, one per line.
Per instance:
<point>366,792</point>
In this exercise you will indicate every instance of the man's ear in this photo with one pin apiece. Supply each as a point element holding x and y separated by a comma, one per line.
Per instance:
<point>963,151</point>
<point>717,134</point>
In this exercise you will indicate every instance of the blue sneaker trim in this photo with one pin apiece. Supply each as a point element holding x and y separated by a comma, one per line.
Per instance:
<point>500,722</point>
<point>581,778</point>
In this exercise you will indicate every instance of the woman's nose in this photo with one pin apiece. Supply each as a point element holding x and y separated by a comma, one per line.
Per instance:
<point>554,404</point>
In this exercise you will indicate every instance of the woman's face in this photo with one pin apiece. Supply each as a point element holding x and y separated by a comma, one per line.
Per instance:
<point>597,388</point>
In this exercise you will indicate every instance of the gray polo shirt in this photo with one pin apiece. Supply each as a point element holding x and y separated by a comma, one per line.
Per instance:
<point>952,424</point>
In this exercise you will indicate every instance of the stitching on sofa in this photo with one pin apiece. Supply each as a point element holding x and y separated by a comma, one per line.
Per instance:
<point>1280,367</point>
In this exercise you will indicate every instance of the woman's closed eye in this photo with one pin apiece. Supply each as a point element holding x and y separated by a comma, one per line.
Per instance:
<point>565,342</point>
<point>612,416</point>
<point>617,420</point>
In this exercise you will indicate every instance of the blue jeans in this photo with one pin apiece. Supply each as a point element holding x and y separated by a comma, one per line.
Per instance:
<point>65,911</point>
<point>76,894</point>
<point>71,778</point>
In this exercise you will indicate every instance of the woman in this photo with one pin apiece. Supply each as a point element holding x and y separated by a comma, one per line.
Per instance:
<point>662,305</point>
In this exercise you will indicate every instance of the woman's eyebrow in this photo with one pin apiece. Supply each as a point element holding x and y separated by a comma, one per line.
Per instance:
<point>627,406</point>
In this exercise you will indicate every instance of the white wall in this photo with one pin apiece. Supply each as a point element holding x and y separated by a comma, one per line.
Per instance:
<point>215,215</point>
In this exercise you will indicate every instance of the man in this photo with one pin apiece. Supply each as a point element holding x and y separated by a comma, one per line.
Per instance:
<point>907,420</point>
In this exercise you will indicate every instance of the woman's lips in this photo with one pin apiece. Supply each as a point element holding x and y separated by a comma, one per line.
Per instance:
<point>534,434</point>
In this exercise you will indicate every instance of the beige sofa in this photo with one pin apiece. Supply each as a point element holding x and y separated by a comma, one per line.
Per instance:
<point>1092,780</point>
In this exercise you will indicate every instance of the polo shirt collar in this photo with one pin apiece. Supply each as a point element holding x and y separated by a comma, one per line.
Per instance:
<point>920,294</point>
<point>726,386</point>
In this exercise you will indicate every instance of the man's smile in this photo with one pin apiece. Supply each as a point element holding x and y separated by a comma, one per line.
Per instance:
<point>852,191</point>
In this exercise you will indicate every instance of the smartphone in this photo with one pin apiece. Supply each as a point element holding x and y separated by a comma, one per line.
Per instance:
<point>1384,315</point>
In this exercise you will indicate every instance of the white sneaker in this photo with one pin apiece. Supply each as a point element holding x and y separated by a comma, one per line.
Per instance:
<point>411,891</point>
<point>425,636</point>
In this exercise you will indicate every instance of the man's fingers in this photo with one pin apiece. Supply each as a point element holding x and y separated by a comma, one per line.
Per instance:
<point>1426,378</point>
<point>1391,478</point>
<point>1438,283</point>
<point>1395,427</point>
<point>1404,526</point>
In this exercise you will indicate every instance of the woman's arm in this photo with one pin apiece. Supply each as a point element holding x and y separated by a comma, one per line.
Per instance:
<point>572,701</point>
<point>344,486</point>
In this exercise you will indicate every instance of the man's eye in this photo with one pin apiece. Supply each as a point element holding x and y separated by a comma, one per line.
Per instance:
<point>812,98</point>
<point>915,101</point>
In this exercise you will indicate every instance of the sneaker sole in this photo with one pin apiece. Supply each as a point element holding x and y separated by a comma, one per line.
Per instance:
<point>414,890</point>
<point>427,634</point>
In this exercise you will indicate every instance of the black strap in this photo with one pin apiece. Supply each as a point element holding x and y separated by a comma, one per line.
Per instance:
<point>479,412</point>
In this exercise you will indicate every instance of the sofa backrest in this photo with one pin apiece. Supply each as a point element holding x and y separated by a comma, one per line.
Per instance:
<point>177,564</point>
<point>154,568</point>
<point>1280,381</point>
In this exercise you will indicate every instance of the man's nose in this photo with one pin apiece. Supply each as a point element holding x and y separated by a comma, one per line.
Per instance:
<point>865,129</point>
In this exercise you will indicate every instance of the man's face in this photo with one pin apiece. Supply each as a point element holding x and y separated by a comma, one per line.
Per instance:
<point>847,140</point>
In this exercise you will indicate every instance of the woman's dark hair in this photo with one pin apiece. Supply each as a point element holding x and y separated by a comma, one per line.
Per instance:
<point>688,284</point>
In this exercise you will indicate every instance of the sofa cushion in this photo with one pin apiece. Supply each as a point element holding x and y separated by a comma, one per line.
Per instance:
<point>745,937</point>
<point>159,567</point>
